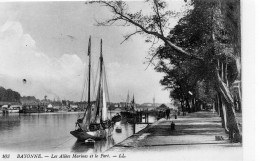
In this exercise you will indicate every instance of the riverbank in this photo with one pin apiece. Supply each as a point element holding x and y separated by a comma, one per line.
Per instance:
<point>200,131</point>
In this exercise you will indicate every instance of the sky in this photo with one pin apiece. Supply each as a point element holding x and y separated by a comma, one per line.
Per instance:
<point>46,44</point>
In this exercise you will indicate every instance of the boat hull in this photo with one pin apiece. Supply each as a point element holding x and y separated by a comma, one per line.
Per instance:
<point>127,114</point>
<point>116,118</point>
<point>13,111</point>
<point>129,117</point>
<point>95,135</point>
<point>118,129</point>
<point>52,110</point>
<point>31,111</point>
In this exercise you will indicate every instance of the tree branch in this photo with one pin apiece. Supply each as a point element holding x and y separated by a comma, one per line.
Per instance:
<point>151,60</point>
<point>159,16</point>
<point>122,16</point>
<point>128,36</point>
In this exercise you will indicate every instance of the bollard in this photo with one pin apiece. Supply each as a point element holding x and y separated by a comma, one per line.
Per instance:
<point>172,126</point>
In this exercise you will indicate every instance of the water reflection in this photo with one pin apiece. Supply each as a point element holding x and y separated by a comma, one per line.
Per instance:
<point>97,147</point>
<point>49,132</point>
<point>9,122</point>
<point>80,147</point>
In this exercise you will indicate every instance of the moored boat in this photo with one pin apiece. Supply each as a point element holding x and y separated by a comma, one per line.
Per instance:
<point>32,108</point>
<point>116,118</point>
<point>118,129</point>
<point>95,123</point>
<point>14,108</point>
<point>129,113</point>
<point>10,109</point>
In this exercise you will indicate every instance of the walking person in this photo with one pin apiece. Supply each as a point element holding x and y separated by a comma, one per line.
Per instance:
<point>167,113</point>
<point>175,114</point>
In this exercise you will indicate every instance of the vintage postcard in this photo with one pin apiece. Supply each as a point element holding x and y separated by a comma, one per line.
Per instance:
<point>122,80</point>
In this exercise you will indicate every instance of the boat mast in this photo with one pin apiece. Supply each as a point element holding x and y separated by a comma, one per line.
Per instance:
<point>101,68</point>
<point>133,103</point>
<point>89,74</point>
<point>101,59</point>
<point>127,100</point>
<point>89,70</point>
<point>99,94</point>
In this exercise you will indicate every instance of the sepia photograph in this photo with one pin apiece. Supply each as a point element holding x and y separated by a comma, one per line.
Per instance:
<point>113,80</point>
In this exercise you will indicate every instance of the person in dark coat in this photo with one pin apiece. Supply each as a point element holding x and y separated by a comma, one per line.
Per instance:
<point>167,113</point>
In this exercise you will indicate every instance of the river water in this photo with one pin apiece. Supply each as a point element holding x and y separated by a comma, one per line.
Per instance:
<point>50,132</point>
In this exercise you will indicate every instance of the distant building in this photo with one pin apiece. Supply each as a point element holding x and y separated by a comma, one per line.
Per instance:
<point>9,103</point>
<point>74,107</point>
<point>147,106</point>
<point>122,104</point>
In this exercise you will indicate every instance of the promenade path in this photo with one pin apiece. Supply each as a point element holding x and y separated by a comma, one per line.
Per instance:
<point>194,133</point>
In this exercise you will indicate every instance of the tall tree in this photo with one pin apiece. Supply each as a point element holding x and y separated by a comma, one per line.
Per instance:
<point>214,24</point>
<point>8,95</point>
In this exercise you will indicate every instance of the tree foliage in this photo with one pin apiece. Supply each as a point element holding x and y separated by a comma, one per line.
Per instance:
<point>197,53</point>
<point>209,34</point>
<point>8,95</point>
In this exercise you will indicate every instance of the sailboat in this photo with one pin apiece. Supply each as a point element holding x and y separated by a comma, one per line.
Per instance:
<point>95,123</point>
<point>129,112</point>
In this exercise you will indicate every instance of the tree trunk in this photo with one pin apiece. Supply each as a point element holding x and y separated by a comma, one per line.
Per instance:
<point>239,98</point>
<point>220,110</point>
<point>216,105</point>
<point>224,116</point>
<point>228,103</point>
<point>188,105</point>
<point>182,107</point>
<point>226,72</point>
<point>197,105</point>
<point>239,106</point>
<point>193,104</point>
<point>222,71</point>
